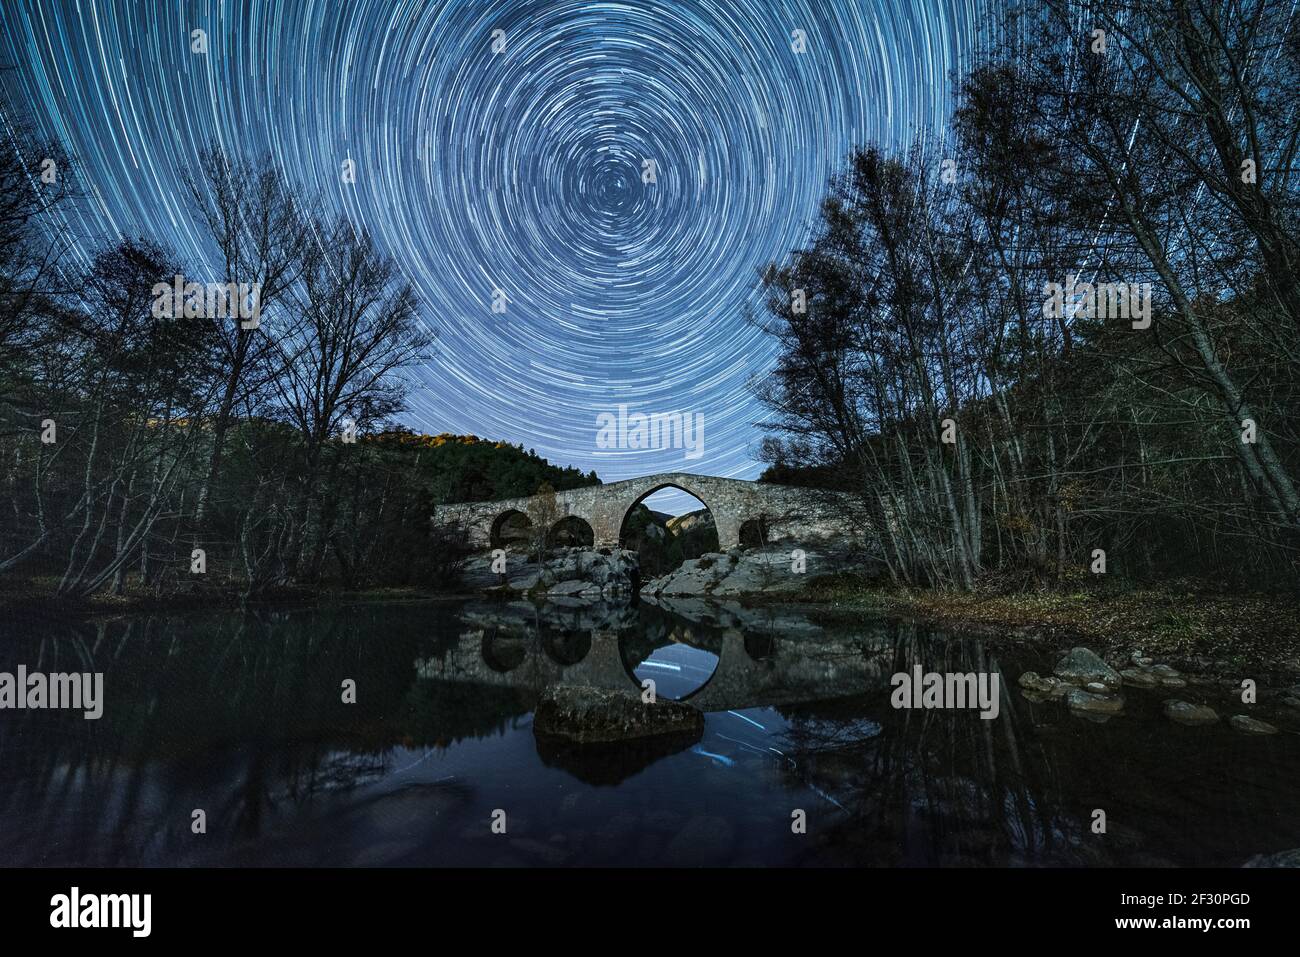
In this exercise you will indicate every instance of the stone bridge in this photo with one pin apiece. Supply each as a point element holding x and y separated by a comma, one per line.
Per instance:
<point>753,511</point>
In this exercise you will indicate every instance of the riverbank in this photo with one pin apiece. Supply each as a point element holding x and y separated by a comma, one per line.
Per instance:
<point>1191,623</point>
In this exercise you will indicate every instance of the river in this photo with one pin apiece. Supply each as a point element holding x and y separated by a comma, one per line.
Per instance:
<point>233,738</point>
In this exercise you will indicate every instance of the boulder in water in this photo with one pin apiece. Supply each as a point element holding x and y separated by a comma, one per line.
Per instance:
<point>1080,700</point>
<point>586,715</point>
<point>1137,678</point>
<point>1239,722</point>
<point>1193,715</point>
<point>1083,666</point>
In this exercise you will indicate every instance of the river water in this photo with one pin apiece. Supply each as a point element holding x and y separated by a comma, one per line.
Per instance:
<point>241,716</point>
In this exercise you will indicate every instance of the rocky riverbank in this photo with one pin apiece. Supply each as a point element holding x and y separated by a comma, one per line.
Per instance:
<point>594,574</point>
<point>774,571</point>
<point>568,575</point>
<point>1094,689</point>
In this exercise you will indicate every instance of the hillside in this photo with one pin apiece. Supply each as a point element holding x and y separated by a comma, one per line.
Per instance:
<point>465,468</point>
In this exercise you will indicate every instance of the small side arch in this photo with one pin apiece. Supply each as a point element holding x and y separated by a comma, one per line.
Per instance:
<point>754,532</point>
<point>511,527</point>
<point>502,652</point>
<point>572,530</point>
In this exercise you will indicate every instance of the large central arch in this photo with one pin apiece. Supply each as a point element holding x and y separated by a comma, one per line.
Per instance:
<point>680,486</point>
<point>664,549</point>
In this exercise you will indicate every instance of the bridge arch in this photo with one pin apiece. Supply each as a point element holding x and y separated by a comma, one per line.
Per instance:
<point>509,527</point>
<point>681,669</point>
<point>566,648</point>
<point>754,532</point>
<point>502,652</point>
<point>640,499</point>
<point>572,530</point>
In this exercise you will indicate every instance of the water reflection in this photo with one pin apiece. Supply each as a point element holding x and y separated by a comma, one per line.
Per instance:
<point>242,715</point>
<point>677,670</point>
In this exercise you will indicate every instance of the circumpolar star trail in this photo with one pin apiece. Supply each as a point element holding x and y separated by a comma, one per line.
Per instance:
<point>519,170</point>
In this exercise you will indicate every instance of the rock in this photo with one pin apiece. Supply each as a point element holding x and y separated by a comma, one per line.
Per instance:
<point>591,572</point>
<point>586,715</point>
<point>1082,666</point>
<point>1139,679</point>
<point>1291,701</point>
<point>1096,687</point>
<point>1035,682</point>
<point>1042,687</point>
<point>1140,661</point>
<point>1164,671</point>
<point>1193,715</point>
<point>1289,858</point>
<point>1080,700</point>
<point>695,576</point>
<point>1239,722</point>
<point>576,587</point>
<point>566,572</point>
<point>755,571</point>
<point>1173,683</point>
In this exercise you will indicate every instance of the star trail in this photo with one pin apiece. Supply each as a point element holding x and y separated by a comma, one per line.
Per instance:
<point>501,148</point>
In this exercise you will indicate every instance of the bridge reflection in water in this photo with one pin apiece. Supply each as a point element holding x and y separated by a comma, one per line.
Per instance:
<point>717,657</point>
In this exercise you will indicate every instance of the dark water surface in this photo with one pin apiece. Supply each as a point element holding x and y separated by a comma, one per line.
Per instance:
<point>241,715</point>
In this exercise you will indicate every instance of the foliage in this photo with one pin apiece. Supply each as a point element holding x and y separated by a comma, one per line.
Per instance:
<point>465,468</point>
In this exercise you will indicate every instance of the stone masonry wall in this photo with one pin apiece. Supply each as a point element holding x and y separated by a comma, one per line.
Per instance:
<point>790,513</point>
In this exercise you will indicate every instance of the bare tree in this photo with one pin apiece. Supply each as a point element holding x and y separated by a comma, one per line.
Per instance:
<point>543,513</point>
<point>355,331</point>
<point>261,234</point>
<point>1149,142</point>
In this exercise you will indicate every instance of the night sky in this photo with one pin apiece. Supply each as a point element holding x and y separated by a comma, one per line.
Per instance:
<point>519,170</point>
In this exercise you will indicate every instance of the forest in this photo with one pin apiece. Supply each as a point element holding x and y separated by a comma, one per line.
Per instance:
<point>953,349</point>
<point>175,451</point>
